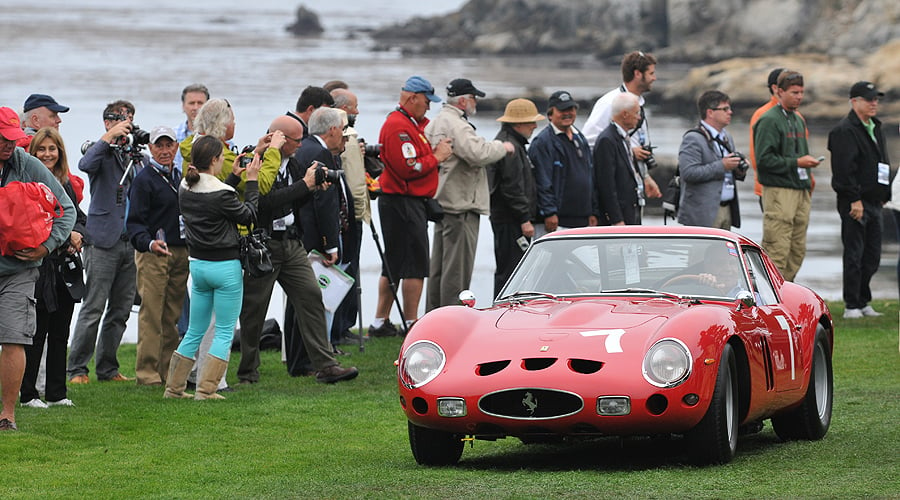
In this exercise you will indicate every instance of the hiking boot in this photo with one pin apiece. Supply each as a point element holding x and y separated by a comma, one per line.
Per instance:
<point>336,373</point>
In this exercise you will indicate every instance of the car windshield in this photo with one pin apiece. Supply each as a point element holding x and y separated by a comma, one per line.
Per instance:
<point>640,265</point>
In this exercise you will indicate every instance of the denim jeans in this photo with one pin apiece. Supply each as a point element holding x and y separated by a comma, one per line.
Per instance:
<point>110,282</point>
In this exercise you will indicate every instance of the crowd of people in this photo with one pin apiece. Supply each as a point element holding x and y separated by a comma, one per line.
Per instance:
<point>179,210</point>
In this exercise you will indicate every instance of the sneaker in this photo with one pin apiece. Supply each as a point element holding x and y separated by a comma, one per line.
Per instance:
<point>868,311</point>
<point>387,329</point>
<point>853,313</point>
<point>118,378</point>
<point>79,379</point>
<point>336,373</point>
<point>7,425</point>
<point>61,402</point>
<point>34,403</point>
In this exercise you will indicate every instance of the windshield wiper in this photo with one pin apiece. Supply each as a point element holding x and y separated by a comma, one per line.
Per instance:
<point>645,290</point>
<point>524,293</point>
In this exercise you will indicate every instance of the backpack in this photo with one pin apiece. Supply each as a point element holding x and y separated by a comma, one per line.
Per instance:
<point>27,210</point>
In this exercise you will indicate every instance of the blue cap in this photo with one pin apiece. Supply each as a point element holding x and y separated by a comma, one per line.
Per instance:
<point>43,100</point>
<point>420,85</point>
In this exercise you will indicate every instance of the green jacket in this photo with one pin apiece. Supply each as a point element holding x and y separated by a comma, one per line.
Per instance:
<point>267,172</point>
<point>779,138</point>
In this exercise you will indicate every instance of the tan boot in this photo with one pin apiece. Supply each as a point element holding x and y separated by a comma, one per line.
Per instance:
<point>176,382</point>
<point>211,372</point>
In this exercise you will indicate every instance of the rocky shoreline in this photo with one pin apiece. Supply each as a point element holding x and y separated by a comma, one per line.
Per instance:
<point>731,45</point>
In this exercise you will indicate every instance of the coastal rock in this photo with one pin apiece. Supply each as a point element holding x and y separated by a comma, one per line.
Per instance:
<point>677,30</point>
<point>306,23</point>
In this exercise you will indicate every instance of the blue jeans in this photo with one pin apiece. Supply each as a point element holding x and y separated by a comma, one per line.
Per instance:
<point>219,286</point>
<point>110,282</point>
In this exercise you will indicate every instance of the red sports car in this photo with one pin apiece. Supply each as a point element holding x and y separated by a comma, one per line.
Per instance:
<point>654,331</point>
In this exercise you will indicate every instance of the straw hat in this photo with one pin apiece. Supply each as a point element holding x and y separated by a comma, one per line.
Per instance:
<point>520,111</point>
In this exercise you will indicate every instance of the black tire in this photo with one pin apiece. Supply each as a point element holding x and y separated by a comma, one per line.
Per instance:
<point>812,418</point>
<point>714,439</point>
<point>431,447</point>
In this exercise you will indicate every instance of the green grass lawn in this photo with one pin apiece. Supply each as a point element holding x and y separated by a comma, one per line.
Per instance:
<point>293,438</point>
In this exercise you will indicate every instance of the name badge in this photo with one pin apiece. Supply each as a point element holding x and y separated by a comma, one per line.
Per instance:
<point>884,173</point>
<point>803,174</point>
<point>279,225</point>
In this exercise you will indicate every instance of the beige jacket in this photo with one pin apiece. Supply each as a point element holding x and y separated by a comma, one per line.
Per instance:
<point>355,174</point>
<point>462,181</point>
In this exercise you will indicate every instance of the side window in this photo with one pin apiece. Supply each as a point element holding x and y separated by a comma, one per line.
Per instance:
<point>760,278</point>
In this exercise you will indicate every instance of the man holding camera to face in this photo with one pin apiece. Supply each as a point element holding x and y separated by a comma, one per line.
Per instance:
<point>709,167</point>
<point>108,256</point>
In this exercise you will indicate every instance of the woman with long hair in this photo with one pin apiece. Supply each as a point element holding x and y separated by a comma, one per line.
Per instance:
<point>59,286</point>
<point>212,210</point>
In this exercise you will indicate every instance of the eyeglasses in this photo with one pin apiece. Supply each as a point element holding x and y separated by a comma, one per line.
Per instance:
<point>722,108</point>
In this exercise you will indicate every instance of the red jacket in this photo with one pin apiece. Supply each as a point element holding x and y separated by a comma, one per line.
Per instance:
<point>410,167</point>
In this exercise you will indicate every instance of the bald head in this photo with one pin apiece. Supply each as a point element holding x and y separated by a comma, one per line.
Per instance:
<point>292,130</point>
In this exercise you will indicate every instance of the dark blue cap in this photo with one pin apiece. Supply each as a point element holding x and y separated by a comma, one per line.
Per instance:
<point>43,100</point>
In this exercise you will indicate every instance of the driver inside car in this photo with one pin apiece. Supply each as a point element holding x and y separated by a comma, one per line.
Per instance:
<point>719,270</point>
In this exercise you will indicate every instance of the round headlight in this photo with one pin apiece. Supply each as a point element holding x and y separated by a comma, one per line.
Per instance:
<point>421,363</point>
<point>667,363</point>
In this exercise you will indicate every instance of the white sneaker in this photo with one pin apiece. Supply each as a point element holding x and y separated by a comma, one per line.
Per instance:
<point>853,313</point>
<point>61,402</point>
<point>868,311</point>
<point>35,403</point>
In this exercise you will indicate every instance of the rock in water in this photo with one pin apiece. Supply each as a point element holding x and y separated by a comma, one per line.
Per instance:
<point>306,23</point>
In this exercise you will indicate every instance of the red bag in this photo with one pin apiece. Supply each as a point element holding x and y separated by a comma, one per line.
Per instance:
<point>27,210</point>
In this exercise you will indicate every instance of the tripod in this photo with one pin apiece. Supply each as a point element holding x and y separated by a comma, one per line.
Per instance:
<point>387,272</point>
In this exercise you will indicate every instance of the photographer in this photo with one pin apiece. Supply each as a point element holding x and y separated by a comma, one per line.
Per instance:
<point>709,167</point>
<point>108,256</point>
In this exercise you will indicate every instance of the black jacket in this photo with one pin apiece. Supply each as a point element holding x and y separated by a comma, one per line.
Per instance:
<point>614,179</point>
<point>854,161</point>
<point>211,211</point>
<point>320,219</point>
<point>283,198</point>
<point>511,180</point>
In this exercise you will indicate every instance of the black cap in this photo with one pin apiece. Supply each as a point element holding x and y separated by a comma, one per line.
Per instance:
<point>463,86</point>
<point>773,76</point>
<point>866,90</point>
<point>561,100</point>
<point>39,100</point>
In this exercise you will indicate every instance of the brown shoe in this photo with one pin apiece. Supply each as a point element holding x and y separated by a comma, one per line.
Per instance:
<point>336,373</point>
<point>79,379</point>
<point>119,378</point>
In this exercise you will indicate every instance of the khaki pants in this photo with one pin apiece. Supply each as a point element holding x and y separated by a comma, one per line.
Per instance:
<point>452,258</point>
<point>785,219</point>
<point>161,281</point>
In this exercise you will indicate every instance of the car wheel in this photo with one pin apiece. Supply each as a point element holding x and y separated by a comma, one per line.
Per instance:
<point>714,439</point>
<point>431,447</point>
<point>812,418</point>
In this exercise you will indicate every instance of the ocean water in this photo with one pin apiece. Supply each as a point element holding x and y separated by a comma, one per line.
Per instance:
<point>86,53</point>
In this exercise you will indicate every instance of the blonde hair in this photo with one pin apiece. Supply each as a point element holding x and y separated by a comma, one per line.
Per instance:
<point>61,169</point>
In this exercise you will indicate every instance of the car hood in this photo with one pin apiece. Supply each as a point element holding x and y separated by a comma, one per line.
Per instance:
<point>586,314</point>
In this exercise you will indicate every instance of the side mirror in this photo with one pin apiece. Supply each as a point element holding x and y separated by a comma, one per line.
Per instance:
<point>744,299</point>
<point>467,298</point>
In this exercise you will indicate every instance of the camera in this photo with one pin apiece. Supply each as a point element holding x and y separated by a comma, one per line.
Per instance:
<point>248,156</point>
<point>743,166</point>
<point>323,175</point>
<point>372,150</point>
<point>651,160</point>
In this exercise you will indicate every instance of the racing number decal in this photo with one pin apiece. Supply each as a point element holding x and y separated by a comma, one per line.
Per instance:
<point>613,338</point>
<point>782,321</point>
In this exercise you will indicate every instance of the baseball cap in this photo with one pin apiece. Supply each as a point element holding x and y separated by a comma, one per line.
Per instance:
<point>420,85</point>
<point>43,100</point>
<point>10,126</point>
<point>463,86</point>
<point>773,77</point>
<point>162,131</point>
<point>866,90</point>
<point>561,100</point>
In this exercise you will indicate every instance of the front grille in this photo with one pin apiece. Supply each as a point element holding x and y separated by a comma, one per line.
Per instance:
<point>530,404</point>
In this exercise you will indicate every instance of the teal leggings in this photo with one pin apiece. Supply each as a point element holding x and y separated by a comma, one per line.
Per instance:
<point>219,286</point>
